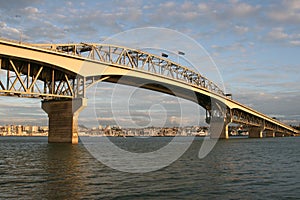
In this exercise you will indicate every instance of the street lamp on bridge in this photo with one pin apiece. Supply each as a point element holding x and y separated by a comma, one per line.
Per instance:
<point>179,53</point>
<point>228,95</point>
<point>164,55</point>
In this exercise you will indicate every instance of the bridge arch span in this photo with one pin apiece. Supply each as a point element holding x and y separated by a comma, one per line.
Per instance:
<point>94,70</point>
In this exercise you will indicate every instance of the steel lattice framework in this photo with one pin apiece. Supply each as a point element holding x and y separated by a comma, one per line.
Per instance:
<point>32,79</point>
<point>136,59</point>
<point>244,118</point>
<point>26,78</point>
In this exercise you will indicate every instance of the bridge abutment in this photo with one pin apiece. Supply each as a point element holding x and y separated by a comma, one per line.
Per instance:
<point>255,132</point>
<point>63,119</point>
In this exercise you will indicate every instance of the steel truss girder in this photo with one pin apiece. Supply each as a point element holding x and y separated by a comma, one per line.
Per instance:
<point>25,78</point>
<point>241,117</point>
<point>136,59</point>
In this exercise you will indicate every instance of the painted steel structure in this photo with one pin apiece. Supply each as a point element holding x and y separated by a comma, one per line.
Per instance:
<point>65,71</point>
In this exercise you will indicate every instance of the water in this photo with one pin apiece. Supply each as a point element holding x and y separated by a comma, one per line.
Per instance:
<point>268,168</point>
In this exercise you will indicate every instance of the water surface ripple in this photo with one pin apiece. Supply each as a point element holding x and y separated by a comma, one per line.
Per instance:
<point>268,168</point>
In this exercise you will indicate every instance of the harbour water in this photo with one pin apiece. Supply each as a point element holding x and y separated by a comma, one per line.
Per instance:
<point>268,168</point>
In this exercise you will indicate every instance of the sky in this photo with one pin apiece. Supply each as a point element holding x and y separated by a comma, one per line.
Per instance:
<point>254,44</point>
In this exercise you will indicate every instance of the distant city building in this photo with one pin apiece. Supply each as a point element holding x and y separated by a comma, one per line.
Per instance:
<point>23,130</point>
<point>198,131</point>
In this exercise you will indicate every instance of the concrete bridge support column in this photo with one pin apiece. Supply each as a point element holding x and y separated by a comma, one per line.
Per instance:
<point>255,132</point>
<point>219,129</point>
<point>279,134</point>
<point>63,119</point>
<point>270,133</point>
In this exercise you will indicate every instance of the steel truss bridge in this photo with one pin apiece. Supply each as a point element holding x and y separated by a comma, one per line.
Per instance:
<point>65,71</point>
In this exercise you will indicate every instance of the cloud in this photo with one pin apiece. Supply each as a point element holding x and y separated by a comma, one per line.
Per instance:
<point>241,29</point>
<point>72,22</point>
<point>243,9</point>
<point>280,35</point>
<point>295,42</point>
<point>17,4</point>
<point>21,111</point>
<point>287,11</point>
<point>30,10</point>
<point>203,7</point>
<point>273,104</point>
<point>9,32</point>
<point>68,20</point>
<point>277,34</point>
<point>130,107</point>
<point>241,47</point>
<point>271,78</point>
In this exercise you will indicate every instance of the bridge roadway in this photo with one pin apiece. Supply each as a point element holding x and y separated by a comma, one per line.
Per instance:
<point>60,74</point>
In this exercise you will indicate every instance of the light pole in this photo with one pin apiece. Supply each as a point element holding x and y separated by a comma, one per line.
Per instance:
<point>179,53</point>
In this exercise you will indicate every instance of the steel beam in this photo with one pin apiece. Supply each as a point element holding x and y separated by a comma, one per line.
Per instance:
<point>26,79</point>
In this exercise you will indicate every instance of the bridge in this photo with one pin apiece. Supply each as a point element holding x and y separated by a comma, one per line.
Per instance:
<point>60,74</point>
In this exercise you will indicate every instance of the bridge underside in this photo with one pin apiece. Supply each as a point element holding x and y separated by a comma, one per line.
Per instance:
<point>198,98</point>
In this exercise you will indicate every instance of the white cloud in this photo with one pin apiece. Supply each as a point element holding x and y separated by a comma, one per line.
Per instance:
<point>30,10</point>
<point>281,36</point>
<point>168,4</point>
<point>295,42</point>
<point>277,34</point>
<point>7,29</point>
<point>285,12</point>
<point>21,111</point>
<point>241,29</point>
<point>243,9</point>
<point>231,47</point>
<point>11,5</point>
<point>272,103</point>
<point>203,7</point>
<point>69,3</point>
<point>10,32</point>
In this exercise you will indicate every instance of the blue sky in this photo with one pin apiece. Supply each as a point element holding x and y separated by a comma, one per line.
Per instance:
<point>255,45</point>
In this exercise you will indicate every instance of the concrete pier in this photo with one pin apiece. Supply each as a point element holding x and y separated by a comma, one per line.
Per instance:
<point>279,134</point>
<point>63,119</point>
<point>255,132</point>
<point>219,129</point>
<point>269,133</point>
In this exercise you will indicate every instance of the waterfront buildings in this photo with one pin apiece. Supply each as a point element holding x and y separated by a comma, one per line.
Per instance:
<point>23,130</point>
<point>116,131</point>
<point>146,132</point>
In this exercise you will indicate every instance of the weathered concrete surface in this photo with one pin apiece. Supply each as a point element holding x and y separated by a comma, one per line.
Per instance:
<point>63,119</point>
<point>255,132</point>
<point>218,129</point>
<point>269,133</point>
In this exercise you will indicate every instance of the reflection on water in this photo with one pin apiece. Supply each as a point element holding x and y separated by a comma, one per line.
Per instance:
<point>30,168</point>
<point>62,166</point>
